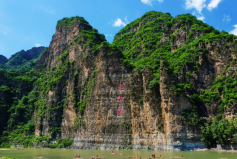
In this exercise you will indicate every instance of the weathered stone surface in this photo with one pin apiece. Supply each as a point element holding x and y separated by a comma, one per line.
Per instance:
<point>120,107</point>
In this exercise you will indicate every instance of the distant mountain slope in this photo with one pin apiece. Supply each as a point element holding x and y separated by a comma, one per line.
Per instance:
<point>3,60</point>
<point>23,60</point>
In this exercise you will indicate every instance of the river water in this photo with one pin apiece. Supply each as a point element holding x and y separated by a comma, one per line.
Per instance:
<point>87,154</point>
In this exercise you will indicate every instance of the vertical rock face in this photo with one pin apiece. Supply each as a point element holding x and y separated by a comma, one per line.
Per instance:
<point>96,88</point>
<point>90,96</point>
<point>3,60</point>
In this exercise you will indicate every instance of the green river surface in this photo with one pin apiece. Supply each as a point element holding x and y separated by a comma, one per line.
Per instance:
<point>31,153</point>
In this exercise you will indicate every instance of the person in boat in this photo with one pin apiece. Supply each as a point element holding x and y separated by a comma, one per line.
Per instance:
<point>182,155</point>
<point>75,155</point>
<point>149,157</point>
<point>112,151</point>
<point>93,157</point>
<point>140,157</point>
<point>121,153</point>
<point>137,155</point>
<point>160,155</point>
<point>154,155</point>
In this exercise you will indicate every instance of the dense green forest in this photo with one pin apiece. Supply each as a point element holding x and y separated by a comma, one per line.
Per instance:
<point>24,91</point>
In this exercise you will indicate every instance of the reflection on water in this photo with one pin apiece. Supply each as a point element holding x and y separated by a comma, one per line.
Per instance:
<point>87,154</point>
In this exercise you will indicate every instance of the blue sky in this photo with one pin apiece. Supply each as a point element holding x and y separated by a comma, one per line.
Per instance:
<point>29,23</point>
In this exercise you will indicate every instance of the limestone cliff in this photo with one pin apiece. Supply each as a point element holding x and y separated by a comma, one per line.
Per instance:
<point>144,90</point>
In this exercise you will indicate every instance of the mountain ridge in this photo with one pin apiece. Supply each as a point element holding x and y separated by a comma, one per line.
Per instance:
<point>23,60</point>
<point>3,59</point>
<point>161,84</point>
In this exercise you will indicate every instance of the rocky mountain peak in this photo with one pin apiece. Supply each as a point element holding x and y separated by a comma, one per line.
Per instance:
<point>156,85</point>
<point>67,24</point>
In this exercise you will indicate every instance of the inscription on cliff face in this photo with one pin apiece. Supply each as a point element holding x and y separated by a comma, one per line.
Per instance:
<point>120,99</point>
<point>120,87</point>
<point>120,111</point>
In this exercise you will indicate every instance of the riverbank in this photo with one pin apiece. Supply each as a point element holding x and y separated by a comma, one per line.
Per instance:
<point>30,153</point>
<point>3,149</point>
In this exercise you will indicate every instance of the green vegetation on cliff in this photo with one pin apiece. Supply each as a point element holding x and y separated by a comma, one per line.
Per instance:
<point>153,38</point>
<point>219,131</point>
<point>185,46</point>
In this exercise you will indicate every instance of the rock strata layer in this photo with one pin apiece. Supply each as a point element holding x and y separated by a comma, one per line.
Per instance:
<point>91,96</point>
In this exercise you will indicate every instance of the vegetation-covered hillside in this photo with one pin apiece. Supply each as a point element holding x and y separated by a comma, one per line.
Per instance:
<point>181,41</point>
<point>23,61</point>
<point>186,70</point>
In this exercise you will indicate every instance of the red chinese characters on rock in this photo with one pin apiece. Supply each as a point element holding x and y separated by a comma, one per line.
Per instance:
<point>120,99</point>
<point>120,87</point>
<point>120,111</point>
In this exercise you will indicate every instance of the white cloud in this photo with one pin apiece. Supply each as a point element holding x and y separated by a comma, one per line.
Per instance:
<point>213,4</point>
<point>201,18</point>
<point>118,23</point>
<point>234,31</point>
<point>226,18</point>
<point>108,35</point>
<point>197,4</point>
<point>126,20</point>
<point>37,45</point>
<point>149,2</point>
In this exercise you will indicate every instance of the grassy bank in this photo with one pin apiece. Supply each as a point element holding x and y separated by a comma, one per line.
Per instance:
<point>6,157</point>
